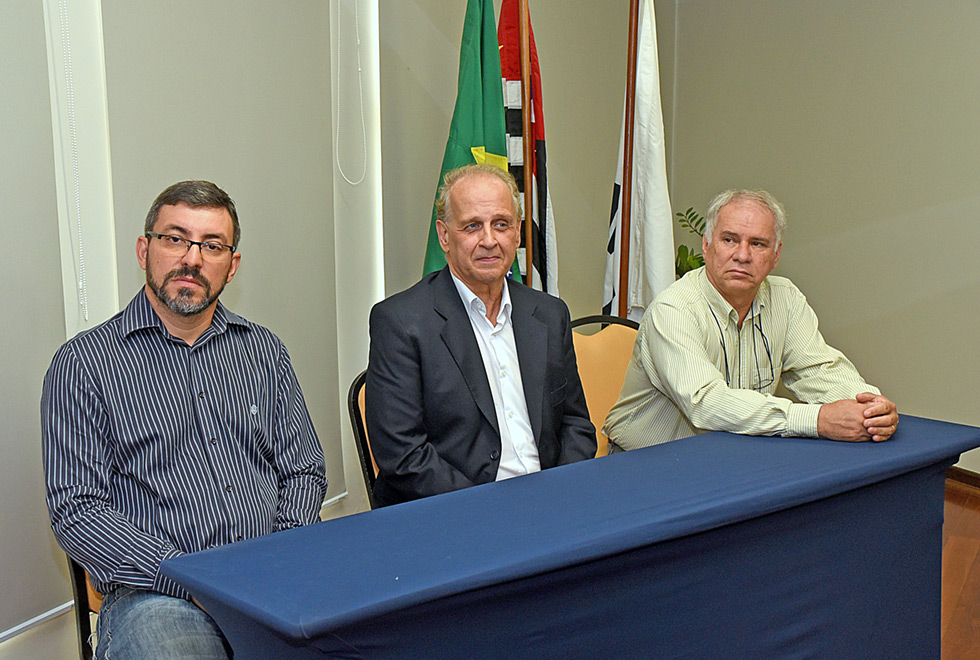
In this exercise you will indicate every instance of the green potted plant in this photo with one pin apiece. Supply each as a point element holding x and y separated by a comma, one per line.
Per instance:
<point>688,258</point>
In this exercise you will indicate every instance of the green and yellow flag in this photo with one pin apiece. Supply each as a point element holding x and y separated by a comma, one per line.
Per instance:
<point>477,133</point>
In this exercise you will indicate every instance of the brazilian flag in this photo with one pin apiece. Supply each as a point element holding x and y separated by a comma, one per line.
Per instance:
<point>477,133</point>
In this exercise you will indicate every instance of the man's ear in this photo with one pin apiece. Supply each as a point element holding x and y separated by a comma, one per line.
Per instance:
<point>443,232</point>
<point>236,259</point>
<point>142,246</point>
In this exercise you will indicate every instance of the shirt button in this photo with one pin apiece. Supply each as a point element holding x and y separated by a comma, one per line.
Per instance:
<point>510,415</point>
<point>228,488</point>
<point>238,538</point>
<point>213,441</point>
<point>503,373</point>
<point>494,455</point>
<point>200,395</point>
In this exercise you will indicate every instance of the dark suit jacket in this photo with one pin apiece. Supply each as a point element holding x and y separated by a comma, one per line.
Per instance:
<point>430,413</point>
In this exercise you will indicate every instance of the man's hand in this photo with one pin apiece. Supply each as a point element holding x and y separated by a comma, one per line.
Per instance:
<point>880,416</point>
<point>865,417</point>
<point>843,420</point>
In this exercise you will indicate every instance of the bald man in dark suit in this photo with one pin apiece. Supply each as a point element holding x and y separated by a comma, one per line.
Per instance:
<point>472,377</point>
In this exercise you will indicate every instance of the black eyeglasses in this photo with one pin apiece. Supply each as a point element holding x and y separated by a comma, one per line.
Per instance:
<point>179,246</point>
<point>762,379</point>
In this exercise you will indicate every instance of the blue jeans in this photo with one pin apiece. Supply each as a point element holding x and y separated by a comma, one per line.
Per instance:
<point>136,624</point>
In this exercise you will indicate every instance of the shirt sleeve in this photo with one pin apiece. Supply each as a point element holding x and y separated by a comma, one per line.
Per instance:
<point>672,350</point>
<point>298,454</point>
<point>77,465</point>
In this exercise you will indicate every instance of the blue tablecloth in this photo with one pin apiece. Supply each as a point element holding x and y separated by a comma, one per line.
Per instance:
<point>717,546</point>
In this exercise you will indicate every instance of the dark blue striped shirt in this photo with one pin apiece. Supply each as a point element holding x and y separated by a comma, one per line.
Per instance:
<point>153,448</point>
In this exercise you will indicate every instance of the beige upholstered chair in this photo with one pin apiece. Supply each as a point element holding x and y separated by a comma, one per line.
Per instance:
<point>602,358</point>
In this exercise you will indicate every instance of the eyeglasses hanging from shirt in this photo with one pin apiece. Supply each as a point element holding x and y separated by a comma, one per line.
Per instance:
<point>759,368</point>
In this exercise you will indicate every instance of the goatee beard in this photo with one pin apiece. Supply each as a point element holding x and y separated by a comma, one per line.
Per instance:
<point>181,304</point>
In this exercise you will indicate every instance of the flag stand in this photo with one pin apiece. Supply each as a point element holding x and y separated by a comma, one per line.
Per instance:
<point>527,141</point>
<point>627,188</point>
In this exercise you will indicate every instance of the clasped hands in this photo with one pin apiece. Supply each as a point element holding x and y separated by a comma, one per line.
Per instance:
<point>865,417</point>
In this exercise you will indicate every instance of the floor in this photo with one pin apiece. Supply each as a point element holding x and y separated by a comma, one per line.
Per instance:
<point>961,573</point>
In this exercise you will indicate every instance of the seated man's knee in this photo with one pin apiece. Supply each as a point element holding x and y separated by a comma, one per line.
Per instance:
<point>136,624</point>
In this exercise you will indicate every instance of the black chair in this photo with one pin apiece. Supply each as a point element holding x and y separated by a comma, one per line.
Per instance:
<point>87,600</point>
<point>355,408</point>
<point>602,359</point>
<point>604,320</point>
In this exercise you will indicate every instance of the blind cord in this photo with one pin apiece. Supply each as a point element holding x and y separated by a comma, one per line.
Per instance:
<point>360,94</point>
<point>80,278</point>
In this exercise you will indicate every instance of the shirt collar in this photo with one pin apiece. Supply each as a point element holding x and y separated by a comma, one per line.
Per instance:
<point>140,315</point>
<point>722,308</point>
<point>473,303</point>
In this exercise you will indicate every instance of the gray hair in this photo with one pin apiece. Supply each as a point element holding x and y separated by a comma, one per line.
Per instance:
<point>196,194</point>
<point>760,197</point>
<point>453,177</point>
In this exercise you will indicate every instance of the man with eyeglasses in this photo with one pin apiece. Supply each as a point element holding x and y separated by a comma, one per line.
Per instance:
<point>173,427</point>
<point>714,345</point>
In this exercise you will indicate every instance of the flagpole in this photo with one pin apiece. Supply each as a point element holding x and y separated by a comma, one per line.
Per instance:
<point>627,188</point>
<point>528,140</point>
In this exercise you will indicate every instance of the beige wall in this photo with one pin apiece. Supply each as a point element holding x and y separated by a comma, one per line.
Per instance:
<point>240,96</point>
<point>864,119</point>
<point>33,572</point>
<point>583,69</point>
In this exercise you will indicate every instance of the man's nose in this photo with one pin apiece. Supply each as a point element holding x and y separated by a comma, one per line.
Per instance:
<point>487,237</point>
<point>742,252</point>
<point>194,256</point>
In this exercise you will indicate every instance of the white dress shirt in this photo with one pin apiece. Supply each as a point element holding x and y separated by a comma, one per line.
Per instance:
<point>518,451</point>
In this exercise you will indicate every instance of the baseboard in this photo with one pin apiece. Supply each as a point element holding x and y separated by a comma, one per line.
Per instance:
<point>36,621</point>
<point>965,477</point>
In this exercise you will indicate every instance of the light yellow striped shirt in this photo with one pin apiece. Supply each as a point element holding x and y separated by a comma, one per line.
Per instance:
<point>677,383</point>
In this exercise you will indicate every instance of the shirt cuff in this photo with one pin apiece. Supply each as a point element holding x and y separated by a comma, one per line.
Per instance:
<point>802,420</point>
<point>165,585</point>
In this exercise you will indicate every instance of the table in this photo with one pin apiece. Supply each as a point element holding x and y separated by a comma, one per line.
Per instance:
<point>717,546</point>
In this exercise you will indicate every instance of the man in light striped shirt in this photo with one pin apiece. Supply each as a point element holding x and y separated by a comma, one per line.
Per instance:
<point>173,427</point>
<point>714,345</point>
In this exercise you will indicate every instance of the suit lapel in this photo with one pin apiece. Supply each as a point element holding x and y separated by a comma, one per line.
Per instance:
<point>457,334</point>
<point>531,337</point>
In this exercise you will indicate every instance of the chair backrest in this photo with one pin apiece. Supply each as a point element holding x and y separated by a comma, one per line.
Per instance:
<point>87,601</point>
<point>602,359</point>
<point>355,409</point>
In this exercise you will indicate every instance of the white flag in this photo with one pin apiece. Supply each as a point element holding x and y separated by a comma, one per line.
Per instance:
<point>651,253</point>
